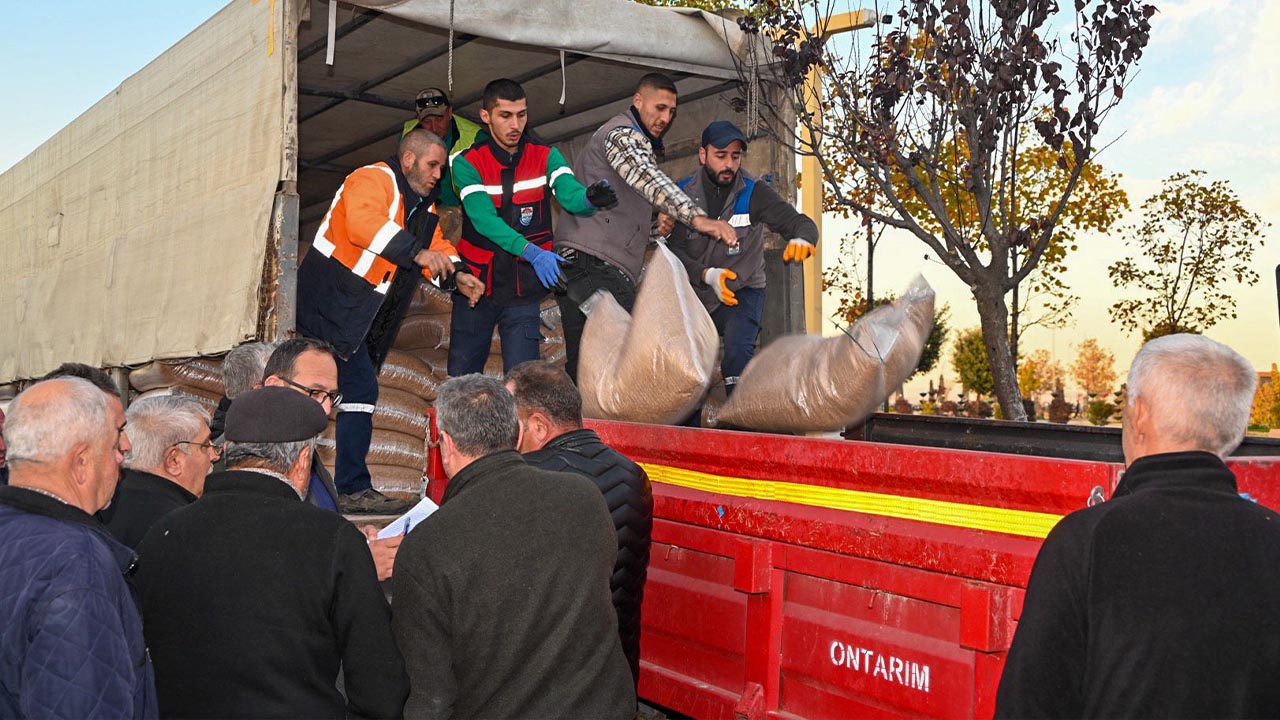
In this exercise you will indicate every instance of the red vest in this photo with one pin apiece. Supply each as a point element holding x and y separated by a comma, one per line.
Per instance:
<point>522,196</point>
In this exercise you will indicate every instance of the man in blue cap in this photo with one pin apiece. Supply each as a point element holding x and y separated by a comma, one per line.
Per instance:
<point>730,280</point>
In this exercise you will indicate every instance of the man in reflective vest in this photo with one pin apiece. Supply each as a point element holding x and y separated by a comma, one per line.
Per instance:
<point>353,295</point>
<point>435,113</point>
<point>730,279</point>
<point>506,182</point>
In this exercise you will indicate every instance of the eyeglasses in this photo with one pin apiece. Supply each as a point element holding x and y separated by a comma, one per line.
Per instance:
<point>435,101</point>
<point>335,398</point>
<point>213,448</point>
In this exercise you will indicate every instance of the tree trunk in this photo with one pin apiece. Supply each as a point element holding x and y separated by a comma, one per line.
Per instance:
<point>994,316</point>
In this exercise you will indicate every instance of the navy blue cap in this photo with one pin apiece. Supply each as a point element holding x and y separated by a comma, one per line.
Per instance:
<point>722,132</point>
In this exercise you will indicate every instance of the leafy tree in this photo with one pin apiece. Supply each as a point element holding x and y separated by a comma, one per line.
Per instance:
<point>1194,246</point>
<point>1042,298</point>
<point>937,338</point>
<point>1094,368</point>
<point>1100,411</point>
<point>1038,374</point>
<point>1266,401</point>
<point>844,279</point>
<point>938,70</point>
<point>969,360</point>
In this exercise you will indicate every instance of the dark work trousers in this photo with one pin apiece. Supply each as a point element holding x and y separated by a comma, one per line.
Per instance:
<point>587,275</point>
<point>471,332</point>
<point>358,384</point>
<point>740,327</point>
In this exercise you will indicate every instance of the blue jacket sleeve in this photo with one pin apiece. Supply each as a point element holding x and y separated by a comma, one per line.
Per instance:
<point>78,663</point>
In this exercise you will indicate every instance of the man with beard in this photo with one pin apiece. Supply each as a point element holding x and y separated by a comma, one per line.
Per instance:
<point>730,281</point>
<point>607,250</point>
<point>355,284</point>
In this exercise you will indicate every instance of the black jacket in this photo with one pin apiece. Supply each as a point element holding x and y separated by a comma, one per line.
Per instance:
<point>501,600</point>
<point>252,600</point>
<point>1160,602</point>
<point>141,499</point>
<point>626,490</point>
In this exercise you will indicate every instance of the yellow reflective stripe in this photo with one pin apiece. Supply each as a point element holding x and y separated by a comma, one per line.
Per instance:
<point>938,512</point>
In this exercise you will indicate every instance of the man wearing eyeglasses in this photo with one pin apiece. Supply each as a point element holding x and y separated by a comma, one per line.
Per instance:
<point>166,467</point>
<point>307,366</point>
<point>435,113</point>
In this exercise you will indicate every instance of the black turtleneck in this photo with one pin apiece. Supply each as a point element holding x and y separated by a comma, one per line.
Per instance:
<point>658,149</point>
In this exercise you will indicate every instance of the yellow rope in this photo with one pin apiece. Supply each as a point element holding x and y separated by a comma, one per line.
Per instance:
<point>940,512</point>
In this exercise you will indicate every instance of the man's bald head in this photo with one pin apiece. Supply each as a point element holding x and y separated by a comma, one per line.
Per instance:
<point>417,141</point>
<point>51,417</point>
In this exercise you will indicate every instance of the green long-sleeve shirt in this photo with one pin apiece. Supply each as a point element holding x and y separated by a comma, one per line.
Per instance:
<point>479,207</point>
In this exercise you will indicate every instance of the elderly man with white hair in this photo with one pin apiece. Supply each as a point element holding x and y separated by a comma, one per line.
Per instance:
<point>171,456</point>
<point>1160,602</point>
<point>71,642</point>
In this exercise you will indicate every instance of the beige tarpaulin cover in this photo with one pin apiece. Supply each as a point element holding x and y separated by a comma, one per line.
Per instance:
<point>689,40</point>
<point>654,365</point>
<point>139,230</point>
<point>805,383</point>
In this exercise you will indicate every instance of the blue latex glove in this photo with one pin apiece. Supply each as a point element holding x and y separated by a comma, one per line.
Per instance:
<point>546,264</point>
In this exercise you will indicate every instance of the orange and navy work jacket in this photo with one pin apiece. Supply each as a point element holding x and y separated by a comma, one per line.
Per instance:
<point>365,228</point>
<point>375,226</point>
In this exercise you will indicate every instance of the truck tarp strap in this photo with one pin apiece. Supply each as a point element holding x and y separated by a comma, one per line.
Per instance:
<point>333,32</point>
<point>974,517</point>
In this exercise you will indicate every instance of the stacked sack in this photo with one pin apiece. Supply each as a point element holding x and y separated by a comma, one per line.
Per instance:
<point>197,378</point>
<point>424,333</point>
<point>398,450</point>
<point>416,365</point>
<point>407,384</point>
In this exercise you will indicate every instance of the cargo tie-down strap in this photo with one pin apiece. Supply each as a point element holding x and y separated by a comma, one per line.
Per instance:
<point>940,512</point>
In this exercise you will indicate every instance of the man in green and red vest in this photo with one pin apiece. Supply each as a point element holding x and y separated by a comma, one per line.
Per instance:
<point>435,113</point>
<point>505,182</point>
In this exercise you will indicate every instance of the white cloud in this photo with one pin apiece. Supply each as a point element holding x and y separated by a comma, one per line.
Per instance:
<point>1176,20</point>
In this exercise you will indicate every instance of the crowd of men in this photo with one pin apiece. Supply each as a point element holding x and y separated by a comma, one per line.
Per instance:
<point>178,588</point>
<point>216,576</point>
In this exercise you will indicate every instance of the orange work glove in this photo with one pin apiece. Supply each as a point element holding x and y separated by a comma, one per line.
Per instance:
<point>797,251</point>
<point>718,279</point>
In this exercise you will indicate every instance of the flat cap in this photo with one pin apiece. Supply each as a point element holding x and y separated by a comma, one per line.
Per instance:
<point>274,415</point>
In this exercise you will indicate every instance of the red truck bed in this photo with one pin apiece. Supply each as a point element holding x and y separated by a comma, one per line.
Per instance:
<point>810,578</point>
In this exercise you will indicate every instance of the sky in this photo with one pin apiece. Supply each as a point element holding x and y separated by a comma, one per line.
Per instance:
<point>60,58</point>
<point>1204,98</point>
